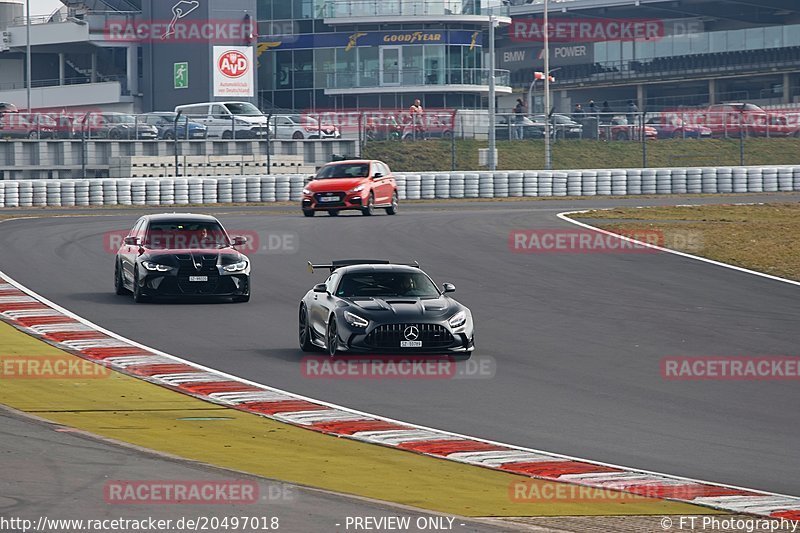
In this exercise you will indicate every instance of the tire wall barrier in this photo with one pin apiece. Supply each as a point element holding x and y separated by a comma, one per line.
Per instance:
<point>410,186</point>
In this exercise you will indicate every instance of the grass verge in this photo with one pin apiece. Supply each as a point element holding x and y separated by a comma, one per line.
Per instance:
<point>436,155</point>
<point>760,237</point>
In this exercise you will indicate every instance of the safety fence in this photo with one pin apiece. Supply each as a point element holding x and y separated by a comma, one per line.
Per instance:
<point>411,186</point>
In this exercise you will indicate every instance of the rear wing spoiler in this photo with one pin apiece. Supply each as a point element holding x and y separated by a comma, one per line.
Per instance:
<point>333,265</point>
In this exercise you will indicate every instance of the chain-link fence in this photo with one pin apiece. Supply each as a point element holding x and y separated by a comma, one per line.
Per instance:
<point>458,134</point>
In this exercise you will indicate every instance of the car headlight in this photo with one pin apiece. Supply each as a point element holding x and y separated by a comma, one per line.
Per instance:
<point>357,189</point>
<point>236,267</point>
<point>306,191</point>
<point>458,319</point>
<point>355,320</point>
<point>155,267</point>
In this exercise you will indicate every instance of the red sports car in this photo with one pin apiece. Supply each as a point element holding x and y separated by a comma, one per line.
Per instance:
<point>363,185</point>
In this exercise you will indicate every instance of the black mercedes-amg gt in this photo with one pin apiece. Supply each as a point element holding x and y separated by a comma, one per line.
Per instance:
<point>181,255</point>
<point>376,307</point>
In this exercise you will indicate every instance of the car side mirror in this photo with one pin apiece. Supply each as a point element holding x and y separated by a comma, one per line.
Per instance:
<point>377,175</point>
<point>321,288</point>
<point>132,241</point>
<point>239,241</point>
<point>449,287</point>
<point>310,179</point>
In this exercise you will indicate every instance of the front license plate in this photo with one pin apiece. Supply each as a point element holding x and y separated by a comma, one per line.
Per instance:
<point>198,278</point>
<point>329,199</point>
<point>411,344</point>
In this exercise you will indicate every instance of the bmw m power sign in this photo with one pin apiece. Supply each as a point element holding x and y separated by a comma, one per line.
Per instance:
<point>234,71</point>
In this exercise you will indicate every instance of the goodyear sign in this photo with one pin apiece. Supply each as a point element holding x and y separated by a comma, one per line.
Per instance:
<point>351,40</point>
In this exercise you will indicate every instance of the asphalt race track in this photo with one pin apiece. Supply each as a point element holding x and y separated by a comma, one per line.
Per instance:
<point>576,340</point>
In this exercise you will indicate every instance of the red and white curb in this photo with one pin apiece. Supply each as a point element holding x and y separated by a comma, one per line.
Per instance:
<point>47,321</point>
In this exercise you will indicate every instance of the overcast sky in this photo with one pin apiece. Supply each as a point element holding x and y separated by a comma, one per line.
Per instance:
<point>44,7</point>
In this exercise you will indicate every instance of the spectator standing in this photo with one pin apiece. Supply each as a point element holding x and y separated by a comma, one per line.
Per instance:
<point>417,118</point>
<point>577,113</point>
<point>519,120</point>
<point>633,111</point>
<point>607,112</point>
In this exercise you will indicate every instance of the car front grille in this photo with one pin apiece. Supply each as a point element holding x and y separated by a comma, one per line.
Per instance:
<point>390,335</point>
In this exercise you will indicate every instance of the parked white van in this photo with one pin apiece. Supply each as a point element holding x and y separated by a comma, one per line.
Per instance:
<point>228,120</point>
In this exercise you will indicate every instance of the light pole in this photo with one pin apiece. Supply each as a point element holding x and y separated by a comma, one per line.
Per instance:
<point>548,155</point>
<point>492,144</point>
<point>28,52</point>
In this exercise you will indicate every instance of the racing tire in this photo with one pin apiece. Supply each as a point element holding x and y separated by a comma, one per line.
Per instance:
<point>138,297</point>
<point>227,135</point>
<point>369,209</point>
<point>395,205</point>
<point>169,136</point>
<point>114,134</point>
<point>308,212</point>
<point>119,285</point>
<point>297,136</point>
<point>332,337</point>
<point>34,135</point>
<point>304,333</point>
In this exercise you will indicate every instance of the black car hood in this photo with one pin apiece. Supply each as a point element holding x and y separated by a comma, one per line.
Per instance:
<point>403,308</point>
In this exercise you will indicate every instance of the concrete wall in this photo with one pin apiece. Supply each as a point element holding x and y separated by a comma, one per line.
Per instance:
<point>62,159</point>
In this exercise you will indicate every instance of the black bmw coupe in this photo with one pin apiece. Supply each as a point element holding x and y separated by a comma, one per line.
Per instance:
<point>180,255</point>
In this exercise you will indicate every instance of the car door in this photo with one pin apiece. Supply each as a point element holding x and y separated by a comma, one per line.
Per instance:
<point>129,253</point>
<point>321,305</point>
<point>381,183</point>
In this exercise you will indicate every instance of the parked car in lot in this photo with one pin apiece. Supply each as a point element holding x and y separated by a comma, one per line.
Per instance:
<point>229,120</point>
<point>8,107</point>
<point>382,128</point>
<point>619,130</point>
<point>429,126</point>
<point>14,125</point>
<point>115,126</point>
<point>299,127</point>
<point>563,126</point>
<point>359,185</point>
<point>44,126</point>
<point>505,130</point>
<point>164,122</point>
<point>736,119</point>
<point>669,126</point>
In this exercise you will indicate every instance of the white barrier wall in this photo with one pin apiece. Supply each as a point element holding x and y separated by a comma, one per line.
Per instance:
<point>411,186</point>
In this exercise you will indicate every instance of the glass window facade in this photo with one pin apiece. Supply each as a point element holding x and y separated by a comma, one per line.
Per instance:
<point>308,61</point>
<point>699,43</point>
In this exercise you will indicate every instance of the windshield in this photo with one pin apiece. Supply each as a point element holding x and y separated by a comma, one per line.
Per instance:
<point>353,170</point>
<point>387,284</point>
<point>242,108</point>
<point>174,234</point>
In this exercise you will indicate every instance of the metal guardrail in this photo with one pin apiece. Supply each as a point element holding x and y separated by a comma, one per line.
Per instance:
<point>411,186</point>
<point>413,77</point>
<point>405,8</point>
